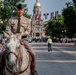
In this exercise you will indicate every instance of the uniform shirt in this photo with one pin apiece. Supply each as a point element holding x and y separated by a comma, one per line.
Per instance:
<point>49,41</point>
<point>24,25</point>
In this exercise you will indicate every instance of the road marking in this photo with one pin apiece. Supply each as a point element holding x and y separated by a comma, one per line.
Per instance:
<point>40,47</point>
<point>55,61</point>
<point>45,51</point>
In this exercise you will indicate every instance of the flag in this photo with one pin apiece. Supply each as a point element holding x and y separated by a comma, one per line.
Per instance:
<point>52,16</point>
<point>46,14</point>
<point>37,16</point>
<point>56,15</point>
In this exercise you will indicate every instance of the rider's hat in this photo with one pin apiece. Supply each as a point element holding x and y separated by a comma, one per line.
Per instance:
<point>19,6</point>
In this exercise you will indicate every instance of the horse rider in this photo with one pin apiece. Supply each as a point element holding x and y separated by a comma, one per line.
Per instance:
<point>20,25</point>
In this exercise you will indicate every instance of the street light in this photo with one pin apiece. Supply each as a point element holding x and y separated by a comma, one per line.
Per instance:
<point>62,35</point>
<point>65,36</point>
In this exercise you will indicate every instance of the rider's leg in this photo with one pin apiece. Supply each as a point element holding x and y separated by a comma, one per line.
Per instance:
<point>31,51</point>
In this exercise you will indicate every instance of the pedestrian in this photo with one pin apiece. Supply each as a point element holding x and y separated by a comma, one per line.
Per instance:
<point>20,25</point>
<point>49,41</point>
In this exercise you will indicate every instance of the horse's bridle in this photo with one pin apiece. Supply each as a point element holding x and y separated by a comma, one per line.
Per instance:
<point>11,53</point>
<point>19,58</point>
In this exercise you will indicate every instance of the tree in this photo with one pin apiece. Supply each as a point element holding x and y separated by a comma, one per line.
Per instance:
<point>54,28</point>
<point>74,6</point>
<point>74,2</point>
<point>69,20</point>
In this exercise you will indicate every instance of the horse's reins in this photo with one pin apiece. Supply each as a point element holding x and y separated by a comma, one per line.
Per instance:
<point>20,60</point>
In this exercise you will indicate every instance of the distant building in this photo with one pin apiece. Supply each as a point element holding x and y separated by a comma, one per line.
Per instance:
<point>37,23</point>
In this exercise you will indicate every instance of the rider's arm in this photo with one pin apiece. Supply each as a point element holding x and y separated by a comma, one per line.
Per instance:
<point>8,27</point>
<point>27,29</point>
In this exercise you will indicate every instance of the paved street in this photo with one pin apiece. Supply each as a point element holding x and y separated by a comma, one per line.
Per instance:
<point>61,61</point>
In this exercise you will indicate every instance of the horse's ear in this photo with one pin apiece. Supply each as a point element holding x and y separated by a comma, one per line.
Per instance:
<point>6,35</point>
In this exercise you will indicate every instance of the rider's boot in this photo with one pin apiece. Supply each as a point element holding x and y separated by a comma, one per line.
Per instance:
<point>33,70</point>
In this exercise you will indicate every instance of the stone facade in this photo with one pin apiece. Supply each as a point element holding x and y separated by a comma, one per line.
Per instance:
<point>37,23</point>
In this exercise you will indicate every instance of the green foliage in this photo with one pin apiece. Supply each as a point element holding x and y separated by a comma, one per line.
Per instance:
<point>54,28</point>
<point>74,2</point>
<point>66,21</point>
<point>70,20</point>
<point>74,6</point>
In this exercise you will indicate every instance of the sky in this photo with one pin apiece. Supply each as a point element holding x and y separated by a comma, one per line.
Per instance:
<point>47,6</point>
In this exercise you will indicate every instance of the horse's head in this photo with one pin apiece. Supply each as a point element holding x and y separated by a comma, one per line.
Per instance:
<point>17,58</point>
<point>12,46</point>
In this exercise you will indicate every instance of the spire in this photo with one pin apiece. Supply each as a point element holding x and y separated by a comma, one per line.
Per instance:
<point>37,3</point>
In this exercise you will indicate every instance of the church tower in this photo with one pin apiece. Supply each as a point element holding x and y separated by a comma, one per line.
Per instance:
<point>37,8</point>
<point>37,24</point>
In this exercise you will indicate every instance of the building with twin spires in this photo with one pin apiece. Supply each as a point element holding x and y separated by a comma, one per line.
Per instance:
<point>37,23</point>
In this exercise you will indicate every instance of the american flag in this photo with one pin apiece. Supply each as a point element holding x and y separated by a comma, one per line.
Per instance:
<point>52,16</point>
<point>37,16</point>
<point>56,15</point>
